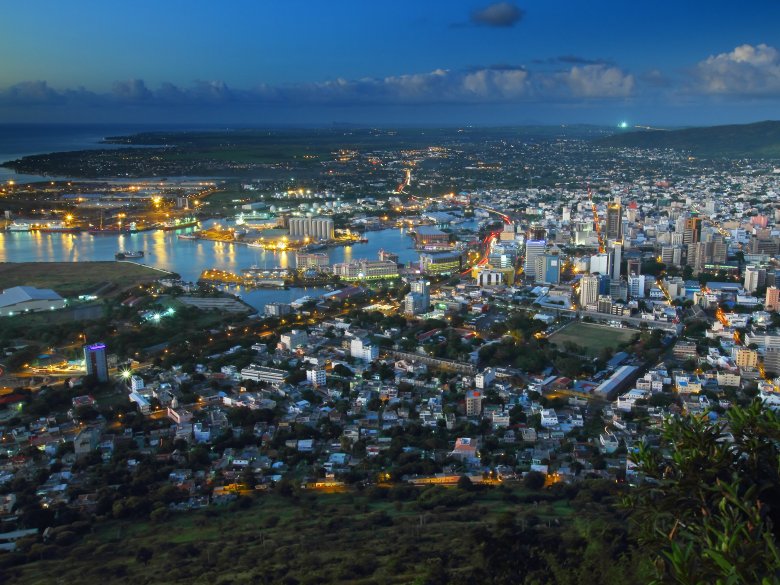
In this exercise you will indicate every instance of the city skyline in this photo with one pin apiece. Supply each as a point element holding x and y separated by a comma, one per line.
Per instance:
<point>443,63</point>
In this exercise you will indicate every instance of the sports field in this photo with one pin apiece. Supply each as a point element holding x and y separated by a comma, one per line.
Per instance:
<point>592,337</point>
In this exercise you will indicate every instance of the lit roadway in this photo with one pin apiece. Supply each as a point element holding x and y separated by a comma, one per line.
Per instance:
<point>488,241</point>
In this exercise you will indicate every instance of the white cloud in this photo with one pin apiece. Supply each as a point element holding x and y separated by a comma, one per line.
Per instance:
<point>597,81</point>
<point>747,70</point>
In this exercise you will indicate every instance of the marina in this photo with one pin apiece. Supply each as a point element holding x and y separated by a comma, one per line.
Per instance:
<point>183,253</point>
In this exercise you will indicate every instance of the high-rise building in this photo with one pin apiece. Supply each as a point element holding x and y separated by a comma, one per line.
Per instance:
<point>617,259</point>
<point>692,230</point>
<point>671,255</point>
<point>533,249</point>
<point>316,376</point>
<point>772,301</point>
<point>418,299</point>
<point>755,278</point>
<point>537,232</point>
<point>96,361</point>
<point>772,360</point>
<point>636,286</point>
<point>614,227</point>
<point>473,403</point>
<point>618,290</point>
<point>589,291</point>
<point>548,269</point>
<point>600,263</point>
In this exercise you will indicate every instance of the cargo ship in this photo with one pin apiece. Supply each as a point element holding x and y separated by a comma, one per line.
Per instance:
<point>125,255</point>
<point>179,224</point>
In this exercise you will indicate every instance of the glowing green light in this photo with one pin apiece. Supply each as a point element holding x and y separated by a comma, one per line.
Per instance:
<point>623,125</point>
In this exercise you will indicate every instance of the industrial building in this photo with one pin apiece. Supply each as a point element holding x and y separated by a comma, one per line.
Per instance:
<point>24,299</point>
<point>314,228</point>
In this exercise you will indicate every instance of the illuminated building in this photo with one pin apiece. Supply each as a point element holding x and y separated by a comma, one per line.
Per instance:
<point>96,361</point>
<point>614,226</point>
<point>365,270</point>
<point>772,301</point>
<point>533,249</point>
<point>315,228</point>
<point>441,263</point>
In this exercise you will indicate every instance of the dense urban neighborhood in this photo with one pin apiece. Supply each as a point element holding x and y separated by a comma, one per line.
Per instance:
<point>557,315</point>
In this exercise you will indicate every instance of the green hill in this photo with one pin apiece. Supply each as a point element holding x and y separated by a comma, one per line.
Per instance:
<point>758,140</point>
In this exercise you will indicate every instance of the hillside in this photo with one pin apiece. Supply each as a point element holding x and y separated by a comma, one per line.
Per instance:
<point>758,140</point>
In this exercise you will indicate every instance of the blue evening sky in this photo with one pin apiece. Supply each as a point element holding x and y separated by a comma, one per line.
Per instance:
<point>369,61</point>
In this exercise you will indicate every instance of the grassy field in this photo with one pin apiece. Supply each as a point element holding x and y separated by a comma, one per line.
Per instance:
<point>592,337</point>
<point>310,538</point>
<point>75,278</point>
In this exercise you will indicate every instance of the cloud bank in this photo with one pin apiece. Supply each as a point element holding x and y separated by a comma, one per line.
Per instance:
<point>747,70</point>
<point>740,76</point>
<point>497,84</point>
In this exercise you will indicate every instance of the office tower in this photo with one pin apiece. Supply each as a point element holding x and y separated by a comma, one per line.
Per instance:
<point>589,291</point>
<point>755,278</point>
<point>617,259</point>
<point>692,230</point>
<point>671,255</point>
<point>547,269</point>
<point>418,299</point>
<point>633,266</point>
<point>636,286</point>
<point>533,249</point>
<point>537,232</point>
<point>772,301</point>
<point>614,226</point>
<point>600,263</point>
<point>618,290</point>
<point>96,361</point>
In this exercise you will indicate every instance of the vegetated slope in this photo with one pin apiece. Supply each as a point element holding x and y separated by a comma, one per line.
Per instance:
<point>759,140</point>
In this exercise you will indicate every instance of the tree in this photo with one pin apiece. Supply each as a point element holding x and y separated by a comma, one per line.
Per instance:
<point>144,555</point>
<point>534,480</point>
<point>464,483</point>
<point>708,510</point>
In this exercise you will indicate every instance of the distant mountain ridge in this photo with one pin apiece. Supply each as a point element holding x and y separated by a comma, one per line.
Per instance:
<point>757,140</point>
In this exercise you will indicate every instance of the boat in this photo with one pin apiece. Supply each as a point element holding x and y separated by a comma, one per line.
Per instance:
<point>109,230</point>
<point>187,236</point>
<point>18,226</point>
<point>125,255</point>
<point>179,224</point>
<point>58,227</point>
<point>363,240</point>
<point>135,228</point>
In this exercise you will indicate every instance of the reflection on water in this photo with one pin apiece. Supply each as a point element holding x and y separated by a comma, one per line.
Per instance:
<point>190,257</point>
